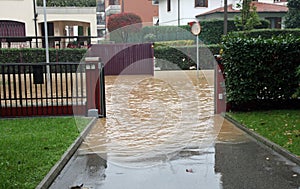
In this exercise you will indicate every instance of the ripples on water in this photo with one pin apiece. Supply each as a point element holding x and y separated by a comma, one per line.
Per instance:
<point>151,119</point>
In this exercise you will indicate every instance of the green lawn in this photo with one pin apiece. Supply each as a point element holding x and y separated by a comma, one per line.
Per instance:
<point>30,147</point>
<point>280,126</point>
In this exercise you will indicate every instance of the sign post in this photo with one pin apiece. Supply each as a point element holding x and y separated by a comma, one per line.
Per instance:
<point>47,46</point>
<point>196,30</point>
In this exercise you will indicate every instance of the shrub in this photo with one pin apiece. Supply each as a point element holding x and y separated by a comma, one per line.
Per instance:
<point>39,55</point>
<point>175,43</point>
<point>297,93</point>
<point>260,73</point>
<point>269,33</point>
<point>68,3</point>
<point>293,15</point>
<point>169,55</point>
<point>183,57</point>
<point>123,25</point>
<point>211,32</point>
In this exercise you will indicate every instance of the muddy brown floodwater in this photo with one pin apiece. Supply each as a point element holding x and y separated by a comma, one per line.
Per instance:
<point>161,132</point>
<point>150,119</point>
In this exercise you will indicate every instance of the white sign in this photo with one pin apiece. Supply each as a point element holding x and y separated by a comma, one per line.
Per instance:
<point>196,28</point>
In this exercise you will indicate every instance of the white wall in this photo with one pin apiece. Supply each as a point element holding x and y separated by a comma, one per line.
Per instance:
<point>187,11</point>
<point>83,14</point>
<point>266,1</point>
<point>22,11</point>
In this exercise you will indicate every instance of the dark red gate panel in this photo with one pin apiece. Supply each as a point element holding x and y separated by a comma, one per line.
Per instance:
<point>128,59</point>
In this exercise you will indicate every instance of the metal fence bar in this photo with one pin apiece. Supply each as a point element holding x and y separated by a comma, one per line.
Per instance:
<point>25,88</point>
<point>20,88</point>
<point>30,88</point>
<point>61,87</point>
<point>51,90</point>
<point>24,91</point>
<point>67,89</point>
<point>56,86</point>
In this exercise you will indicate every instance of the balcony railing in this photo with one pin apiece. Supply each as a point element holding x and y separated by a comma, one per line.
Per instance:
<point>39,42</point>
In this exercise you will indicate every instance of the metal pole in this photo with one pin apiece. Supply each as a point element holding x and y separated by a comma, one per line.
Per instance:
<point>178,12</point>
<point>197,41</point>
<point>47,45</point>
<point>225,16</point>
<point>122,6</point>
<point>35,24</point>
<point>102,91</point>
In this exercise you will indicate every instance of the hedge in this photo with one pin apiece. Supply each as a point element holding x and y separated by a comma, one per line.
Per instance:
<point>261,73</point>
<point>68,3</point>
<point>211,32</point>
<point>269,33</point>
<point>164,52</point>
<point>183,57</point>
<point>33,55</point>
<point>175,43</point>
<point>157,33</point>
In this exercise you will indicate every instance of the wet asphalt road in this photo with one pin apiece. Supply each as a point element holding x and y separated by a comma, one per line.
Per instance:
<point>151,139</point>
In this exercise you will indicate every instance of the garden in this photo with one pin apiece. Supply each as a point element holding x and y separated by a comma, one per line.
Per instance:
<point>262,71</point>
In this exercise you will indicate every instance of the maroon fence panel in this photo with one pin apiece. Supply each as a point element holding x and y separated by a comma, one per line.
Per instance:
<point>27,90</point>
<point>127,59</point>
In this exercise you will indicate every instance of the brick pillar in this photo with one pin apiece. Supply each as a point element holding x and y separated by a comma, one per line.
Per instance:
<point>93,68</point>
<point>220,93</point>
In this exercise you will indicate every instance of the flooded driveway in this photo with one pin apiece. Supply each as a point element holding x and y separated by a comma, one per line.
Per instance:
<point>161,132</point>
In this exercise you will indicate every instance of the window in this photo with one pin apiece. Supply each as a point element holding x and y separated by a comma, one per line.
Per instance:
<point>100,6</point>
<point>168,5</point>
<point>201,3</point>
<point>100,18</point>
<point>113,2</point>
<point>100,32</point>
<point>154,2</point>
<point>275,22</point>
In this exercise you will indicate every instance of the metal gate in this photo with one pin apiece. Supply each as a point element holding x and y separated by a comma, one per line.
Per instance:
<point>53,89</point>
<point>128,59</point>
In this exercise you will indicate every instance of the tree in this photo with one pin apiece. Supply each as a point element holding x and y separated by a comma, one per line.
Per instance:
<point>249,17</point>
<point>293,14</point>
<point>123,24</point>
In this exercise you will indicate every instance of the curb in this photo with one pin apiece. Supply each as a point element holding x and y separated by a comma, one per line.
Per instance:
<point>56,169</point>
<point>266,142</point>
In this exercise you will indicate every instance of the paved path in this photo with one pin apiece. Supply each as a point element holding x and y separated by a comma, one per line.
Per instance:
<point>161,132</point>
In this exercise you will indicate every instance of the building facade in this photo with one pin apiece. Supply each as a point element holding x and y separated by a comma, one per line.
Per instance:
<point>22,18</point>
<point>273,12</point>
<point>146,9</point>
<point>180,12</point>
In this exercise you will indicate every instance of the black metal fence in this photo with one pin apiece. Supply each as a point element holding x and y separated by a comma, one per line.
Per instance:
<point>39,42</point>
<point>28,89</point>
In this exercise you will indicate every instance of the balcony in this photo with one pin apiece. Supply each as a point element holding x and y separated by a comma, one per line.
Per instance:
<point>113,9</point>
